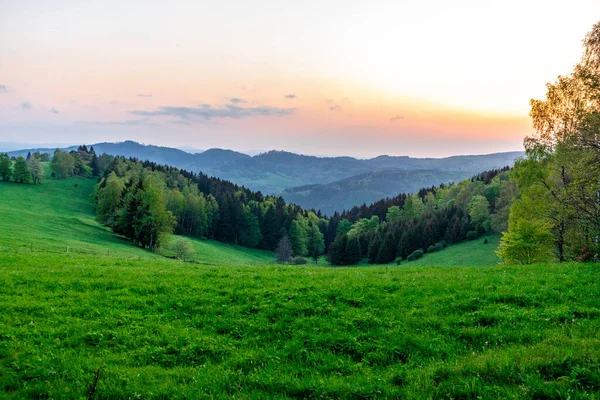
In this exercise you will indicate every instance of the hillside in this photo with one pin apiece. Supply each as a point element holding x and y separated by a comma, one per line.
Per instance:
<point>58,217</point>
<point>274,171</point>
<point>368,188</point>
<point>470,253</point>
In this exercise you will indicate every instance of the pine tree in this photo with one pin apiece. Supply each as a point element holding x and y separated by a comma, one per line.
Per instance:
<point>387,251</point>
<point>337,249</point>
<point>374,248</point>
<point>352,255</point>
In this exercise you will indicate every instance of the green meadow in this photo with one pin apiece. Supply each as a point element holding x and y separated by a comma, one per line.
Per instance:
<point>84,314</point>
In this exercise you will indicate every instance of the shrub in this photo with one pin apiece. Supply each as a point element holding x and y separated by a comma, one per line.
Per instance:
<point>299,261</point>
<point>485,241</point>
<point>472,235</point>
<point>415,255</point>
<point>444,244</point>
<point>398,260</point>
<point>435,247</point>
<point>183,250</point>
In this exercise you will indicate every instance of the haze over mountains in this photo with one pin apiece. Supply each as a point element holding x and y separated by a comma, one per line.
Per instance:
<point>327,184</point>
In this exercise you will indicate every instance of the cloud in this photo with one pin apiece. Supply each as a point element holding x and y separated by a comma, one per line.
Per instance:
<point>290,96</point>
<point>26,105</point>
<point>54,111</point>
<point>207,113</point>
<point>128,122</point>
<point>181,122</point>
<point>114,102</point>
<point>335,108</point>
<point>396,118</point>
<point>237,100</point>
<point>3,89</point>
<point>144,95</point>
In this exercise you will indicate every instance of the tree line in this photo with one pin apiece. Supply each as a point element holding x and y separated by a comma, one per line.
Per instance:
<point>145,201</point>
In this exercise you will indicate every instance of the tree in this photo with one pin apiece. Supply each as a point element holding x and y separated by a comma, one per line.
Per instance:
<point>5,166</point>
<point>36,170</point>
<point>21,173</point>
<point>250,234</point>
<point>344,226</point>
<point>337,250</point>
<point>62,164</point>
<point>109,198</point>
<point>352,254</point>
<point>479,211</point>
<point>284,251</point>
<point>151,219</point>
<point>95,165</point>
<point>387,251</point>
<point>527,242</point>
<point>183,250</point>
<point>299,236</point>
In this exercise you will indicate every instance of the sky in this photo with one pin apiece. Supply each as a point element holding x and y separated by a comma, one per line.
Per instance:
<point>420,78</point>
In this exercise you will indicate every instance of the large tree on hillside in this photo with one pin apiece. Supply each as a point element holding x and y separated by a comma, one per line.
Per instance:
<point>36,169</point>
<point>5,166</point>
<point>62,164</point>
<point>21,173</point>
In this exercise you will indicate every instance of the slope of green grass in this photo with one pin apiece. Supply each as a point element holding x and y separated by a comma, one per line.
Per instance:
<point>58,216</point>
<point>469,253</point>
<point>155,328</point>
<point>191,331</point>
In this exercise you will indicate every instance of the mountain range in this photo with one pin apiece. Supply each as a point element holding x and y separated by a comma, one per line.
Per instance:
<point>327,184</point>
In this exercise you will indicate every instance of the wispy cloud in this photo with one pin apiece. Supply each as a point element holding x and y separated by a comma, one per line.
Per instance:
<point>290,96</point>
<point>26,105</point>
<point>208,112</point>
<point>237,100</point>
<point>144,95</point>
<point>397,117</point>
<point>335,108</point>
<point>54,111</point>
<point>181,122</point>
<point>128,122</point>
<point>3,89</point>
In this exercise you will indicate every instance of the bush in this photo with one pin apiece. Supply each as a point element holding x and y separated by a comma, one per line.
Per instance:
<point>435,247</point>
<point>183,250</point>
<point>485,241</point>
<point>398,260</point>
<point>472,235</point>
<point>415,255</point>
<point>444,244</point>
<point>299,261</point>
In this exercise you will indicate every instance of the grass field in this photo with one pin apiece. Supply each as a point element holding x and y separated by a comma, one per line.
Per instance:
<point>58,216</point>
<point>469,253</point>
<point>156,328</point>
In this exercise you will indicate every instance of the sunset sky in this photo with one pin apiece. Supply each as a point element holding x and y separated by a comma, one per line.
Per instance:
<point>418,78</point>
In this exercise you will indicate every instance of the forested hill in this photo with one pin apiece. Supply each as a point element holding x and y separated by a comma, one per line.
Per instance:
<point>368,188</point>
<point>275,171</point>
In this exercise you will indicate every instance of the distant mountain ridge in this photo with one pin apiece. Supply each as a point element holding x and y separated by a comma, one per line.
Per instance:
<point>349,181</point>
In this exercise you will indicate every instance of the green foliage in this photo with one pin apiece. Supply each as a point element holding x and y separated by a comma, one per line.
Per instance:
<point>415,255</point>
<point>479,210</point>
<point>36,170</point>
<point>5,166</point>
<point>344,226</point>
<point>299,236</point>
<point>298,261</point>
<point>435,248</point>
<point>527,242</point>
<point>183,250</point>
<point>62,164</point>
<point>472,235</point>
<point>21,173</point>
